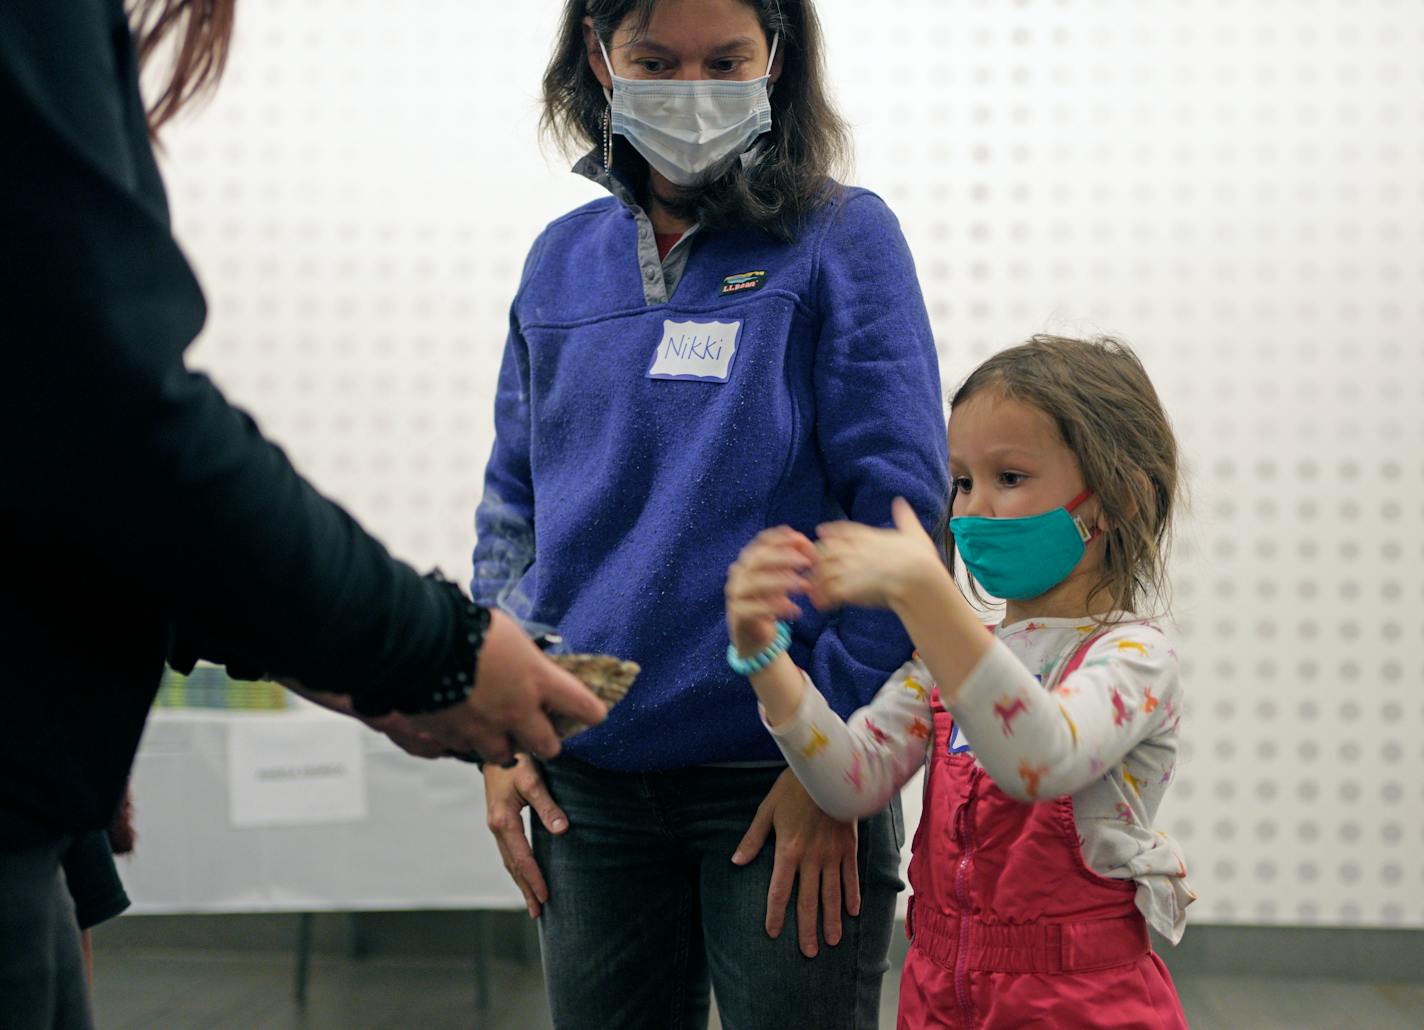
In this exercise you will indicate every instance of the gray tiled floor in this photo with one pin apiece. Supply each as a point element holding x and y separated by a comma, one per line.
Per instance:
<point>185,991</point>
<point>1257,1003</point>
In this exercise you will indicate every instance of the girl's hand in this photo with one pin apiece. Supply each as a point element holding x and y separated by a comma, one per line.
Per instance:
<point>872,567</point>
<point>760,584</point>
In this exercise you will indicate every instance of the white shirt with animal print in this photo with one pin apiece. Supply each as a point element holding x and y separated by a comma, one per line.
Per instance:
<point>1106,734</point>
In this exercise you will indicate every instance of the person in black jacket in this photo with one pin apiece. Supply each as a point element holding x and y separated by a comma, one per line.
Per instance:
<point>143,518</point>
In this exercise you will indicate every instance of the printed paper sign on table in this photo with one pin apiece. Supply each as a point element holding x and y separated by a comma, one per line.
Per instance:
<point>289,772</point>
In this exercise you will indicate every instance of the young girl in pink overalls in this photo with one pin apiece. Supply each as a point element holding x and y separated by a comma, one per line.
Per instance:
<point>1050,739</point>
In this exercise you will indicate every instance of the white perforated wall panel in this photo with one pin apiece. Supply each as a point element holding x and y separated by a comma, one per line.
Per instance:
<point>1236,189</point>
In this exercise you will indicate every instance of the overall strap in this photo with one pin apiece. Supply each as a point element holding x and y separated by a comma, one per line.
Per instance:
<point>1079,654</point>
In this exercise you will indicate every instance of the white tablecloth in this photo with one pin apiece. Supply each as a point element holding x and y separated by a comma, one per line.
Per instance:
<point>421,844</point>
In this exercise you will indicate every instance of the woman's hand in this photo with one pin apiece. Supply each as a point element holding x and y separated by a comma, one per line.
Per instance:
<point>507,793</point>
<point>394,725</point>
<point>760,584</point>
<point>871,567</point>
<point>403,735</point>
<point>812,848</point>
<point>516,687</point>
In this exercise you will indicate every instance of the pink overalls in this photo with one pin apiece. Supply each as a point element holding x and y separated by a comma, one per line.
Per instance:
<point>1008,926</point>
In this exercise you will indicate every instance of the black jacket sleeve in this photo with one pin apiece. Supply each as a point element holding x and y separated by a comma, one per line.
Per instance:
<point>108,440</point>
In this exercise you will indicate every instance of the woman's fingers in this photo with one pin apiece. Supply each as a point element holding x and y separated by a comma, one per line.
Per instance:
<point>531,788</point>
<point>831,905</point>
<point>504,801</point>
<point>808,901</point>
<point>515,868</point>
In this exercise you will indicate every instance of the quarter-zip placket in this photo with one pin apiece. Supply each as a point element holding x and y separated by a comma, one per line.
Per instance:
<point>659,276</point>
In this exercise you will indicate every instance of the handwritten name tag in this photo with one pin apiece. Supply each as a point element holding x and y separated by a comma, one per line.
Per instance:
<point>698,351</point>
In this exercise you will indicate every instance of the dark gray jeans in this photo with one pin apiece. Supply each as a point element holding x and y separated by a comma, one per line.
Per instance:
<point>646,909</point>
<point>41,967</point>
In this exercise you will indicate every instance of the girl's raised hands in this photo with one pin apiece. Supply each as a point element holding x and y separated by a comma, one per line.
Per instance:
<point>871,567</point>
<point>760,583</point>
<point>850,564</point>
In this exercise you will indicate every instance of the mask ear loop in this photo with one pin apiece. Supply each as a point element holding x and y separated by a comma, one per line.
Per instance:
<point>608,63</point>
<point>776,36</point>
<point>775,42</point>
<point>770,85</point>
<point>1088,535</point>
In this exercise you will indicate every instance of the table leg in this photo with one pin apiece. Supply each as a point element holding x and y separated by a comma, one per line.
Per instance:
<point>304,938</point>
<point>482,958</point>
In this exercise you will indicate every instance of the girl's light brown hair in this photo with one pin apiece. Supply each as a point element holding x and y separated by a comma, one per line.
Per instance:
<point>1108,414</point>
<point>199,33</point>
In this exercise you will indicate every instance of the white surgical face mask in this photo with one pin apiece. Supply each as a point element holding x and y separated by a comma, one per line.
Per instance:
<point>691,131</point>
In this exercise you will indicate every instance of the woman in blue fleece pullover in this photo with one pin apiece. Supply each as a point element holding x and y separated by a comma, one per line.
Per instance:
<point>729,341</point>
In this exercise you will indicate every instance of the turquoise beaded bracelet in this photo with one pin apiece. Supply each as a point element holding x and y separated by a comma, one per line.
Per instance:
<point>759,661</point>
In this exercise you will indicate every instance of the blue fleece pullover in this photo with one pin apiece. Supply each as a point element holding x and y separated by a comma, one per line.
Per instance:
<point>614,502</point>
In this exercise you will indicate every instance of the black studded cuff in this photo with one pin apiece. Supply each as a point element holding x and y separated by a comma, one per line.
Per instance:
<point>456,679</point>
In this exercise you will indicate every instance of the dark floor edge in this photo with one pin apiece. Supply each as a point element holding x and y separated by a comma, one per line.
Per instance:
<point>1341,953</point>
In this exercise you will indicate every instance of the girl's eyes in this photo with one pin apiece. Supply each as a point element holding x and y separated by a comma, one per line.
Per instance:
<point>963,484</point>
<point>726,66</point>
<point>652,65</point>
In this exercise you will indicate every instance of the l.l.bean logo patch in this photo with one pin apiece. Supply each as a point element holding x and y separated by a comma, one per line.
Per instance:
<point>742,282</point>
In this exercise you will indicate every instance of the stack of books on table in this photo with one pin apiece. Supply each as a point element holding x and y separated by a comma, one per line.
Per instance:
<point>210,687</point>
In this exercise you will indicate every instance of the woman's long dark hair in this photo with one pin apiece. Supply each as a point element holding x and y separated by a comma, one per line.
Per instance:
<point>807,145</point>
<point>199,31</point>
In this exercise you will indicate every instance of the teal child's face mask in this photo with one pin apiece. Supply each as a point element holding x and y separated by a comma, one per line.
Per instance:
<point>1023,557</point>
